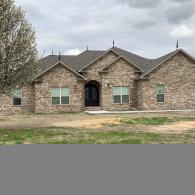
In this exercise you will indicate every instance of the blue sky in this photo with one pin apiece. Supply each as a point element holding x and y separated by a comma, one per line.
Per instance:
<point>147,27</point>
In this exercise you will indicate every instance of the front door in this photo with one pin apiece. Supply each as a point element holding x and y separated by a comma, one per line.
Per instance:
<point>91,95</point>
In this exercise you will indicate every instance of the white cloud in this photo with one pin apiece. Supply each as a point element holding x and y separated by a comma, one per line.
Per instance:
<point>181,32</point>
<point>62,26</point>
<point>75,51</point>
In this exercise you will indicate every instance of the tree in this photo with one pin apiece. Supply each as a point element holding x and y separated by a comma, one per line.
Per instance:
<point>18,54</point>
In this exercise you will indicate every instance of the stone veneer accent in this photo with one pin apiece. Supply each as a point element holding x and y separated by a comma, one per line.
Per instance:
<point>59,77</point>
<point>178,76</point>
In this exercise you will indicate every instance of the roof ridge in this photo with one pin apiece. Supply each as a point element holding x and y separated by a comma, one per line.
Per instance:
<point>79,62</point>
<point>167,54</point>
<point>62,55</point>
<point>139,56</point>
<point>91,51</point>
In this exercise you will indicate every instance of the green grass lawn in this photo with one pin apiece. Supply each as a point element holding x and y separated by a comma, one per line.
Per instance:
<point>118,134</point>
<point>147,121</point>
<point>70,136</point>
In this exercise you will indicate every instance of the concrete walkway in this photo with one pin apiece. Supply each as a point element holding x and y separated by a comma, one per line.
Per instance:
<point>135,112</point>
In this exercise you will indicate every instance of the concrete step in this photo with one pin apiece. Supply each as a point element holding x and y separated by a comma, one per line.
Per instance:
<point>136,112</point>
<point>92,108</point>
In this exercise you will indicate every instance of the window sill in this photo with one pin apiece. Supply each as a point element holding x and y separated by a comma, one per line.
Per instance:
<point>17,106</point>
<point>60,104</point>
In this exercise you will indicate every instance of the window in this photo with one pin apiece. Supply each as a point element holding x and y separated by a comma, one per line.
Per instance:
<point>121,95</point>
<point>17,97</point>
<point>160,93</point>
<point>60,96</point>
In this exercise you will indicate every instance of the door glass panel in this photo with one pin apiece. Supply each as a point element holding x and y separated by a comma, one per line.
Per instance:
<point>87,94</point>
<point>91,95</point>
<point>94,94</point>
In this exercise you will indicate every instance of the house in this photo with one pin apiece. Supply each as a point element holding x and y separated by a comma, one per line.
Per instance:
<point>109,80</point>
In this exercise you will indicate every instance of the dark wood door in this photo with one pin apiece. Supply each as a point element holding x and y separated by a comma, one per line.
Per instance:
<point>91,96</point>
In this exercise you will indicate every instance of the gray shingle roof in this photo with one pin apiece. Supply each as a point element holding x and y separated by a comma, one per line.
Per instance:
<point>143,63</point>
<point>151,64</point>
<point>82,60</point>
<point>75,62</point>
<point>49,61</point>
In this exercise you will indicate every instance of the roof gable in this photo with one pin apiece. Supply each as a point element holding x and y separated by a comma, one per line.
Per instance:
<point>84,58</point>
<point>99,57</point>
<point>51,60</point>
<point>164,59</point>
<point>80,62</point>
<point>60,63</point>
<point>121,57</point>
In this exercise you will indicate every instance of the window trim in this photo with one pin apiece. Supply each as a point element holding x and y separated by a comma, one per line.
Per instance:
<point>160,93</point>
<point>20,98</point>
<point>121,95</point>
<point>60,96</point>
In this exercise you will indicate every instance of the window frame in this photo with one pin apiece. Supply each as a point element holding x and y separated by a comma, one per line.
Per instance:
<point>160,102</point>
<point>121,95</point>
<point>17,97</point>
<point>60,88</point>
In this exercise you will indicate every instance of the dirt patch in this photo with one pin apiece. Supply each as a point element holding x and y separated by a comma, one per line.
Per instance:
<point>176,128</point>
<point>27,143</point>
<point>99,122</point>
<point>88,123</point>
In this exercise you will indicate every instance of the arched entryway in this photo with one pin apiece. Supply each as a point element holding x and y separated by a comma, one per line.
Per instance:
<point>92,94</point>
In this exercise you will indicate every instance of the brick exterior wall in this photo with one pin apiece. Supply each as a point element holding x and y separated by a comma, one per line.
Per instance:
<point>6,102</point>
<point>56,78</point>
<point>92,72</point>
<point>178,76</point>
<point>119,74</point>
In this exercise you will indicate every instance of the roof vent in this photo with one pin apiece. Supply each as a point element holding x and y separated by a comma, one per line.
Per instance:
<point>59,56</point>
<point>177,45</point>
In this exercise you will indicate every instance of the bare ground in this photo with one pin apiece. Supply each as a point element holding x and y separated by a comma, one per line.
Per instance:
<point>93,122</point>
